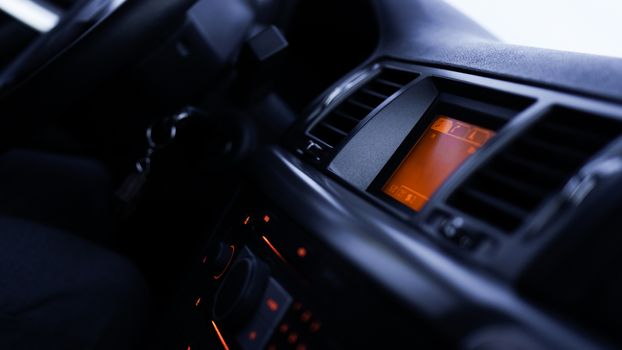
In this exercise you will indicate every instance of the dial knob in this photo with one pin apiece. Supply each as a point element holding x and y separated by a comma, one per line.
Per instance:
<point>240,293</point>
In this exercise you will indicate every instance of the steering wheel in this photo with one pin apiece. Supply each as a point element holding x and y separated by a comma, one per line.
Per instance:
<point>94,40</point>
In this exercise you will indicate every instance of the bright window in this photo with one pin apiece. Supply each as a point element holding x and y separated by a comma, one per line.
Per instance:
<point>593,26</point>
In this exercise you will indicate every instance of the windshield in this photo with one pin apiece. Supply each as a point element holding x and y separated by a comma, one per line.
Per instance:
<point>592,27</point>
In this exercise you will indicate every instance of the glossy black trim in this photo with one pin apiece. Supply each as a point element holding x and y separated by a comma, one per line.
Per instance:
<point>439,287</point>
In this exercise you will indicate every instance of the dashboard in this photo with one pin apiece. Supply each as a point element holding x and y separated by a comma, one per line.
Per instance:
<point>401,180</point>
<point>413,196</point>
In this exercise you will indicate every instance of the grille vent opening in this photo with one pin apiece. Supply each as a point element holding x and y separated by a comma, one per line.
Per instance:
<point>337,124</point>
<point>534,167</point>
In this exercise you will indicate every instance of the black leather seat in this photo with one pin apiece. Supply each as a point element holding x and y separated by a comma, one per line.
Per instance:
<point>59,289</point>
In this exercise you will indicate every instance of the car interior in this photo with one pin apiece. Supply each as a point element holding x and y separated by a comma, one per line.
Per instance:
<point>303,174</point>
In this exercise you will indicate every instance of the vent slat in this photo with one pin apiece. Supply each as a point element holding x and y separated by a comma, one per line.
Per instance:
<point>339,123</point>
<point>345,115</point>
<point>495,202</point>
<point>525,189</point>
<point>396,86</point>
<point>375,94</point>
<point>534,167</point>
<point>556,150</point>
<point>335,129</point>
<point>584,135</point>
<point>360,104</point>
<point>541,169</point>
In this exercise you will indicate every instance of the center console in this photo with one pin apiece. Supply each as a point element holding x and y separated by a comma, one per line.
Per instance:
<point>422,206</point>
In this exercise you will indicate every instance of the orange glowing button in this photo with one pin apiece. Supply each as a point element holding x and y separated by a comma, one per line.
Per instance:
<point>283,328</point>
<point>315,326</point>
<point>292,338</point>
<point>252,335</point>
<point>272,304</point>
<point>301,252</point>
<point>266,218</point>
<point>442,148</point>
<point>297,306</point>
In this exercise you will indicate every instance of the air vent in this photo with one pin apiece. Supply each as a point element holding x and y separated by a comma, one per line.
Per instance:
<point>338,124</point>
<point>534,167</point>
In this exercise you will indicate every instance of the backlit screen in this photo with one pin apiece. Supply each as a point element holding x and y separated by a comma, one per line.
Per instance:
<point>442,148</point>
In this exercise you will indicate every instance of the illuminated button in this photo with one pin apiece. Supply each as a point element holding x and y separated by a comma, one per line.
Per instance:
<point>292,338</point>
<point>315,326</point>
<point>252,335</point>
<point>306,316</point>
<point>268,320</point>
<point>272,305</point>
<point>266,219</point>
<point>297,306</point>
<point>301,252</point>
<point>283,328</point>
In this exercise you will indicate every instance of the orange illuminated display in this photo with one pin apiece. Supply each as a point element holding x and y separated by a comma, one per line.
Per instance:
<point>444,146</point>
<point>220,337</point>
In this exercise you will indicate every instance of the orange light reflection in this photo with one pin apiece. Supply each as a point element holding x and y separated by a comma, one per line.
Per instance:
<point>273,248</point>
<point>232,247</point>
<point>222,340</point>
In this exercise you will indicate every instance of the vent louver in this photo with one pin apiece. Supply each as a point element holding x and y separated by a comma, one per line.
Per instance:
<point>534,167</point>
<point>337,125</point>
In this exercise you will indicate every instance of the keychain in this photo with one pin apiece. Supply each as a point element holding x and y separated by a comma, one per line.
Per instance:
<point>159,135</point>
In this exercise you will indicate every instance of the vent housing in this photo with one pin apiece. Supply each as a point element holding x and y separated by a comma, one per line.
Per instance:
<point>334,127</point>
<point>533,167</point>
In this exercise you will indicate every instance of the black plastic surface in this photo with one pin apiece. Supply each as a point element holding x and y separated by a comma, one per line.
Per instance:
<point>432,32</point>
<point>362,158</point>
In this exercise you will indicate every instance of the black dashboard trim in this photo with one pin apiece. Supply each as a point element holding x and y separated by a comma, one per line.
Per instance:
<point>392,254</point>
